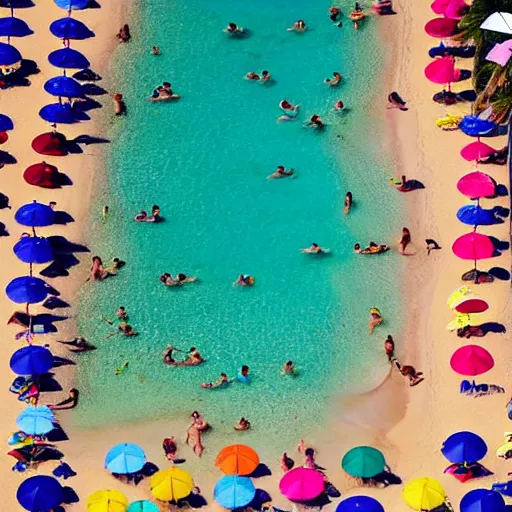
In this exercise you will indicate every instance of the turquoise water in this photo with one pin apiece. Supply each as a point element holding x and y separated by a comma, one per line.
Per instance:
<point>204,160</point>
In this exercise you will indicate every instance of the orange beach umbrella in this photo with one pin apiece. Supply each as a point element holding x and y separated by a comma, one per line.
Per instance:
<point>237,459</point>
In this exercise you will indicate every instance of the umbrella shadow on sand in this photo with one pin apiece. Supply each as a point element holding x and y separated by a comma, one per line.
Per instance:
<point>64,257</point>
<point>40,323</point>
<point>7,159</point>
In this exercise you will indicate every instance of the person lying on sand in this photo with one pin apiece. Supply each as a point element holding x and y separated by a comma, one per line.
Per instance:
<point>194,439</point>
<point>281,172</point>
<point>69,403</point>
<point>170,448</point>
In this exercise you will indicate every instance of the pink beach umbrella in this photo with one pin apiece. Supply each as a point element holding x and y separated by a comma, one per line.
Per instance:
<point>441,27</point>
<point>302,484</point>
<point>476,150</point>
<point>455,9</point>
<point>442,71</point>
<point>471,360</point>
<point>471,305</point>
<point>473,246</point>
<point>440,5</point>
<point>476,185</point>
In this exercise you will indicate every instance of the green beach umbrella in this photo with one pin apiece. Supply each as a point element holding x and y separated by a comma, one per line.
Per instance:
<point>363,462</point>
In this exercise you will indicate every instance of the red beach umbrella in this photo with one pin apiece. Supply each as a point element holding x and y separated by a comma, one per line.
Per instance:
<point>473,246</point>
<point>50,143</point>
<point>471,360</point>
<point>42,175</point>
<point>441,27</point>
<point>4,137</point>
<point>442,71</point>
<point>476,150</point>
<point>471,305</point>
<point>476,184</point>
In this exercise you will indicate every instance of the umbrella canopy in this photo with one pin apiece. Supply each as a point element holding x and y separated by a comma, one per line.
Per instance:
<point>33,249</point>
<point>482,500</point>
<point>423,494</point>
<point>14,27</point>
<point>72,5</point>
<point>500,53</point>
<point>471,360</point>
<point>441,27</point>
<point>458,295</point>
<point>35,215</point>
<point>69,28</point>
<point>476,127</point>
<point>107,501</point>
<point>63,86</point>
<point>31,360</point>
<point>302,484</point>
<point>27,290</point>
<point>36,420</point>
<point>171,484</point>
<point>237,459</point>
<point>442,71</point>
<point>40,493</point>
<point>455,9</point>
<point>143,506</point>
<point>51,144</point>
<point>125,458</point>
<point>6,123</point>
<point>475,215</point>
<point>473,246</point>
<point>62,113</point>
<point>42,175</point>
<point>476,151</point>
<point>67,58</point>
<point>464,447</point>
<point>471,305</point>
<point>9,55</point>
<point>476,185</point>
<point>234,491</point>
<point>498,22</point>
<point>360,504</point>
<point>363,462</point>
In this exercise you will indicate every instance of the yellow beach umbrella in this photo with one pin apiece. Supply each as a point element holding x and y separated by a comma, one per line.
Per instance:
<point>107,501</point>
<point>458,295</point>
<point>171,484</point>
<point>423,494</point>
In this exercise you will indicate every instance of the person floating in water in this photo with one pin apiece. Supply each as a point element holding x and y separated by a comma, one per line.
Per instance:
<point>389,347</point>
<point>179,280</point>
<point>243,376</point>
<point>333,82</point>
<point>281,172</point>
<point>244,280</point>
<point>155,50</point>
<point>372,248</point>
<point>288,368</point>
<point>334,14</point>
<point>298,26</point>
<point>348,203</point>
<point>290,111</point>
<point>405,240</point>
<point>315,122</point>
<point>222,381</point>
<point>194,358</point>
<point>375,319</point>
<point>126,329</point>
<point>254,77</point>
<point>339,106</point>
<point>315,249</point>
<point>242,424</point>
<point>234,29</point>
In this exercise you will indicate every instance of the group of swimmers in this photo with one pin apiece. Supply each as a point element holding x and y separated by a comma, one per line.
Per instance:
<point>164,92</point>
<point>374,248</point>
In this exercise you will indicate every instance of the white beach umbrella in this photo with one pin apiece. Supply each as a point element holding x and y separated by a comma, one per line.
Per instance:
<point>499,22</point>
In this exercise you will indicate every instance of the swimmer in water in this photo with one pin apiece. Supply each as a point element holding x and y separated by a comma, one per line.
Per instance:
<point>348,202</point>
<point>265,76</point>
<point>298,26</point>
<point>220,382</point>
<point>234,29</point>
<point>389,347</point>
<point>243,375</point>
<point>105,213</point>
<point>155,50</point>
<point>315,122</point>
<point>244,280</point>
<point>252,76</point>
<point>372,248</point>
<point>333,82</point>
<point>314,249</point>
<point>121,313</point>
<point>288,368</point>
<point>243,424</point>
<point>334,14</point>
<point>339,106</point>
<point>375,319</point>
<point>126,329</point>
<point>281,172</point>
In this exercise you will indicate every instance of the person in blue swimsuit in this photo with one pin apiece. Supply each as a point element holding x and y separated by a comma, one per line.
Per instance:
<point>243,376</point>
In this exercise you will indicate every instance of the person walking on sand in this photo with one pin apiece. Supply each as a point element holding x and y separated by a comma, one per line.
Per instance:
<point>405,240</point>
<point>432,245</point>
<point>389,347</point>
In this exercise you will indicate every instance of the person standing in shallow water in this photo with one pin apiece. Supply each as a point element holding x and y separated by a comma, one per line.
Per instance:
<point>405,240</point>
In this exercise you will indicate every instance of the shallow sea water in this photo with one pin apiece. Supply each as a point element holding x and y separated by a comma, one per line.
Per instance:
<point>204,161</point>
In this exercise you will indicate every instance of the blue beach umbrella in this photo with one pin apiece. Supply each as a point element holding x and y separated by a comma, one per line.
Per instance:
<point>16,4</point>
<point>36,421</point>
<point>9,55</point>
<point>63,86</point>
<point>474,215</point>
<point>31,360</point>
<point>476,127</point>
<point>72,5</point>
<point>35,215</point>
<point>482,500</point>
<point>360,504</point>
<point>234,491</point>
<point>14,27</point>
<point>40,493</point>
<point>62,113</point>
<point>125,458</point>
<point>27,290</point>
<point>67,58</point>
<point>34,249</point>
<point>464,447</point>
<point>6,123</point>
<point>143,506</point>
<point>69,28</point>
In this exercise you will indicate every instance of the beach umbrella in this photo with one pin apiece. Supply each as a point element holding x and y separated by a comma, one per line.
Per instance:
<point>500,53</point>
<point>463,447</point>
<point>476,185</point>
<point>42,175</point>
<point>50,144</point>
<point>33,249</point>
<point>16,4</point>
<point>498,22</point>
<point>439,6</point>
<point>63,86</point>
<point>73,5</point>
<point>69,28</point>
<point>143,506</point>
<point>363,462</point>
<point>62,113</point>
<point>442,71</point>
<point>171,484</point>
<point>441,27</point>
<point>473,246</point>
<point>360,504</point>
<point>27,290</point>
<point>107,501</point>
<point>14,27</point>
<point>302,484</point>
<point>475,215</point>
<point>9,55</point>
<point>458,295</point>
<point>423,494</point>
<point>455,9</point>
<point>67,58</point>
<point>476,151</point>
<point>471,360</point>
<point>237,459</point>
<point>35,214</point>
<point>234,491</point>
<point>125,458</point>
<point>31,360</point>
<point>40,493</point>
<point>475,126</point>
<point>6,123</point>
<point>482,500</point>
<point>36,420</point>
<point>470,306</point>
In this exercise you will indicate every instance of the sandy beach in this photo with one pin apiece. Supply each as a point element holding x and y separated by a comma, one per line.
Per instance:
<point>407,424</point>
